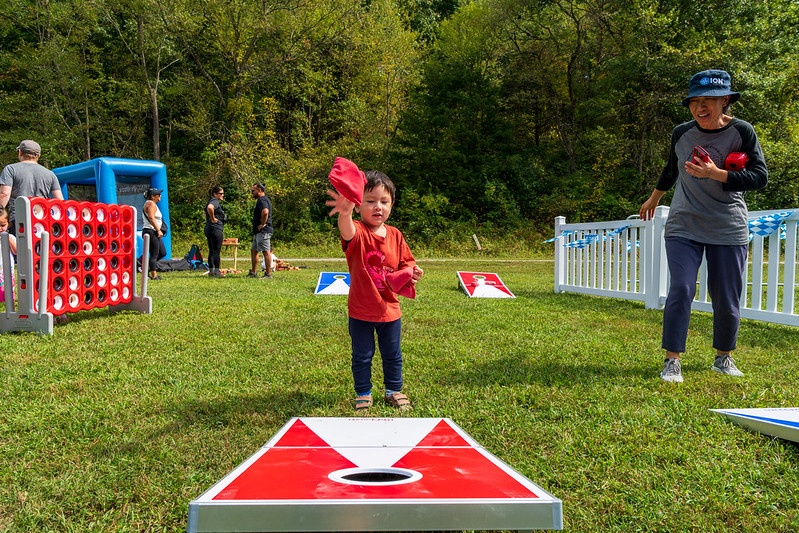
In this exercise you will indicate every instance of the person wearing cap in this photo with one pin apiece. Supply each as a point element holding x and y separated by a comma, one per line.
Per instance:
<point>262,231</point>
<point>708,217</point>
<point>153,224</point>
<point>26,178</point>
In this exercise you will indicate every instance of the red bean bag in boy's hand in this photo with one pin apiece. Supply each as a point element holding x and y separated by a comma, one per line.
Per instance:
<point>400,282</point>
<point>348,180</point>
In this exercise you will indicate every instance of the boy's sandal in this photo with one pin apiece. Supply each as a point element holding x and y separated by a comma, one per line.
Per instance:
<point>363,402</point>
<point>399,400</point>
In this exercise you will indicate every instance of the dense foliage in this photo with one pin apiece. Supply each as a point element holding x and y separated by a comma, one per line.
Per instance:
<point>498,113</point>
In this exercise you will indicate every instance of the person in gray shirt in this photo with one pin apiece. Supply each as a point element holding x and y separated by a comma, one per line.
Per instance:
<point>708,216</point>
<point>27,178</point>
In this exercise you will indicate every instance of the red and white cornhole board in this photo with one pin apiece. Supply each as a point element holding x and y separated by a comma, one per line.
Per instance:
<point>781,422</point>
<point>483,285</point>
<point>373,474</point>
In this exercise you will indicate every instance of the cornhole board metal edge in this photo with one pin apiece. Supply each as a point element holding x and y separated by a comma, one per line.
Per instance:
<point>769,421</point>
<point>321,290</point>
<point>505,292</point>
<point>374,515</point>
<point>412,514</point>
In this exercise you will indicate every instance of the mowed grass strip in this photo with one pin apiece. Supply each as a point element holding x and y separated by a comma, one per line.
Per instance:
<point>117,421</point>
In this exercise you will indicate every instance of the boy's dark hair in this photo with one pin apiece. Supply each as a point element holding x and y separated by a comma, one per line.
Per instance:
<point>375,178</point>
<point>260,187</point>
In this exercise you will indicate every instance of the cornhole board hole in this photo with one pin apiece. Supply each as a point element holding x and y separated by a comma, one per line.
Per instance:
<point>333,283</point>
<point>483,285</point>
<point>373,474</point>
<point>781,422</point>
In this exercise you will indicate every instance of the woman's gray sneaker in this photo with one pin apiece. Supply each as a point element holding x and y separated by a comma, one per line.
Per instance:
<point>672,370</point>
<point>725,365</point>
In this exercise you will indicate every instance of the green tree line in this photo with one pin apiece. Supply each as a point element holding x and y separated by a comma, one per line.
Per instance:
<point>492,113</point>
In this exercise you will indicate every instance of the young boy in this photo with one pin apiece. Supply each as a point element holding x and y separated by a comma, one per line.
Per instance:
<point>373,250</point>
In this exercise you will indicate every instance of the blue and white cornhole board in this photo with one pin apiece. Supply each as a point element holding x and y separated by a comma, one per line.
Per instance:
<point>781,422</point>
<point>373,474</point>
<point>333,283</point>
<point>483,285</point>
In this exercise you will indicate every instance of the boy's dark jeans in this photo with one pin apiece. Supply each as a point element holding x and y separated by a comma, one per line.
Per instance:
<point>362,334</point>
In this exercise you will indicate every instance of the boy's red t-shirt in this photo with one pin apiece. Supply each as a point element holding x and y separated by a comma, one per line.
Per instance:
<point>369,258</point>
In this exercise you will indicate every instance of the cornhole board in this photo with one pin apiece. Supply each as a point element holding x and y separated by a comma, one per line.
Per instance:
<point>483,285</point>
<point>373,474</point>
<point>782,422</point>
<point>333,283</point>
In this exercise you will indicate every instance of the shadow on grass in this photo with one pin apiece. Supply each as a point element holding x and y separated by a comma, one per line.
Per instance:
<point>229,412</point>
<point>533,294</point>
<point>753,332</point>
<point>86,315</point>
<point>275,407</point>
<point>767,335</point>
<point>519,369</point>
<point>790,446</point>
<point>573,301</point>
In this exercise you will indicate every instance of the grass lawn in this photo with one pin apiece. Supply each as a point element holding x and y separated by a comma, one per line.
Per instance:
<point>117,421</point>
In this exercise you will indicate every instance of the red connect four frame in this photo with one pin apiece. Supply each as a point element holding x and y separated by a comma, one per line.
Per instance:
<point>73,256</point>
<point>90,260</point>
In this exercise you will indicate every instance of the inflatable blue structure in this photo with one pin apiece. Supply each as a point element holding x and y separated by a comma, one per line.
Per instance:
<point>111,180</point>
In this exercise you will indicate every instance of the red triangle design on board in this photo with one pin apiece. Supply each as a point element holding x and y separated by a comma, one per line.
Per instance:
<point>457,473</point>
<point>300,435</point>
<point>299,473</point>
<point>443,435</point>
<point>291,473</point>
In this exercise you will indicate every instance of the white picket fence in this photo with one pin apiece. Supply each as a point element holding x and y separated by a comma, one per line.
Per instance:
<point>627,259</point>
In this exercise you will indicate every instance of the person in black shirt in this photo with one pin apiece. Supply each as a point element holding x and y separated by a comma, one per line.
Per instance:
<point>262,231</point>
<point>215,219</point>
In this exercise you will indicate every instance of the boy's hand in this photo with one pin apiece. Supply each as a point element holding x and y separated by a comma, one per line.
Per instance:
<point>339,204</point>
<point>344,208</point>
<point>417,274</point>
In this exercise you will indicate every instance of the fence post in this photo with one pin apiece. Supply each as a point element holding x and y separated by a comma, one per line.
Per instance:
<point>560,255</point>
<point>656,268</point>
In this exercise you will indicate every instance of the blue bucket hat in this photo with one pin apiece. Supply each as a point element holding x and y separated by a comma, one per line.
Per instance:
<point>710,83</point>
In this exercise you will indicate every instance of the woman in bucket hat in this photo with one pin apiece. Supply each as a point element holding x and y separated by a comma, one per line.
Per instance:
<point>714,159</point>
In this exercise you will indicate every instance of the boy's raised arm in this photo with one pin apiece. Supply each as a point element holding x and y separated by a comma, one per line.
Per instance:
<point>344,208</point>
